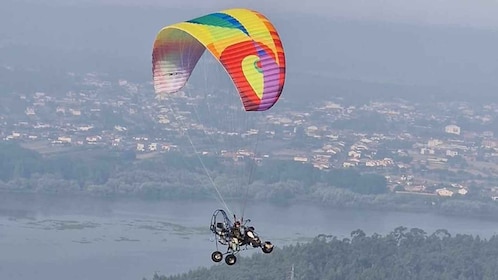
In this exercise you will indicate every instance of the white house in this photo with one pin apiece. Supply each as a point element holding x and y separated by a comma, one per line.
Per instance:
<point>452,129</point>
<point>140,147</point>
<point>444,192</point>
<point>451,153</point>
<point>434,143</point>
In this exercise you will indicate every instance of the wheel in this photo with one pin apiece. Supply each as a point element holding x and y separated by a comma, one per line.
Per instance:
<point>217,256</point>
<point>267,247</point>
<point>230,259</point>
<point>256,243</point>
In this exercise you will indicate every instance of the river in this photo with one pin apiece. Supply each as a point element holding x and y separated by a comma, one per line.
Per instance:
<point>71,237</point>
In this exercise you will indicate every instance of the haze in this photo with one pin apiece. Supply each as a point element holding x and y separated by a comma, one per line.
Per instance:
<point>360,48</point>
<point>444,46</point>
<point>480,13</point>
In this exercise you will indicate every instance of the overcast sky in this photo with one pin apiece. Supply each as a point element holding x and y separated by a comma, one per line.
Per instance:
<point>466,13</point>
<point>481,13</point>
<point>351,44</point>
<point>475,13</point>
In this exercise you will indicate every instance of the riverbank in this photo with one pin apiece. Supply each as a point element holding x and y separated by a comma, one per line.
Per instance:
<point>329,198</point>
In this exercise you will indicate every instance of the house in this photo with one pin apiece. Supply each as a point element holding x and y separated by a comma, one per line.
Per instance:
<point>350,163</point>
<point>444,192</point>
<point>301,159</point>
<point>434,143</point>
<point>451,153</point>
<point>354,154</point>
<point>75,112</point>
<point>427,151</point>
<point>30,111</point>
<point>140,147</point>
<point>93,139</point>
<point>463,191</point>
<point>452,129</point>
<point>152,147</point>
<point>64,139</point>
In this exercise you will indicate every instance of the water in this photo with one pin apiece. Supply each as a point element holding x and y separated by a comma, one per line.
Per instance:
<point>68,237</point>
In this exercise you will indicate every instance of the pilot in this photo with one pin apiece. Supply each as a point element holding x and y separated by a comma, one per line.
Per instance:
<point>236,233</point>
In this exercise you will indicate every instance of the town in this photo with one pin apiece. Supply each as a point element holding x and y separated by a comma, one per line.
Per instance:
<point>425,148</point>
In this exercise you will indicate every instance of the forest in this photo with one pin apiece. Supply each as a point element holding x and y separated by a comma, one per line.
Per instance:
<point>401,254</point>
<point>118,172</point>
<point>174,175</point>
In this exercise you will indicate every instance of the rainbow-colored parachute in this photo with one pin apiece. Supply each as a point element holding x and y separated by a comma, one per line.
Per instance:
<point>244,41</point>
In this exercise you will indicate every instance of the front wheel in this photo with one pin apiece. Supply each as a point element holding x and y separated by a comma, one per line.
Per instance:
<point>217,256</point>
<point>231,259</point>
<point>267,247</point>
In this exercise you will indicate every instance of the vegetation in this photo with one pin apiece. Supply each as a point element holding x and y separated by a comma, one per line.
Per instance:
<point>175,175</point>
<point>22,168</point>
<point>402,254</point>
<point>169,173</point>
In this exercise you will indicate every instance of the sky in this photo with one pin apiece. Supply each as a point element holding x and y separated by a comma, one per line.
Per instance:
<point>471,13</point>
<point>477,13</point>
<point>450,44</point>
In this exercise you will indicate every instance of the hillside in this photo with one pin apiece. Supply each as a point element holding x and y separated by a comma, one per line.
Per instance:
<point>402,254</point>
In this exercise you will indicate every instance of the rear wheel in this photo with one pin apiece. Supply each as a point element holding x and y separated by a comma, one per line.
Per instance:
<point>217,256</point>
<point>267,247</point>
<point>231,259</point>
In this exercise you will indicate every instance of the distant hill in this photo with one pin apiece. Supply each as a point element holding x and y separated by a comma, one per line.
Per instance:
<point>402,254</point>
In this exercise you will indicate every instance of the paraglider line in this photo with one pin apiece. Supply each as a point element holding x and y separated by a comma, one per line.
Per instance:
<point>220,197</point>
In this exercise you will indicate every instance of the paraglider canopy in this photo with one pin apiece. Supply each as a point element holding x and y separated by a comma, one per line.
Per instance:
<point>244,41</point>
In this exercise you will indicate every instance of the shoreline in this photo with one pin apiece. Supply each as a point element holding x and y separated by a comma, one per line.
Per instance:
<point>416,207</point>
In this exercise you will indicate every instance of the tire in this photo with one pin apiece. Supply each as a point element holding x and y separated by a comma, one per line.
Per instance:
<point>217,256</point>
<point>256,243</point>
<point>267,247</point>
<point>230,259</point>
